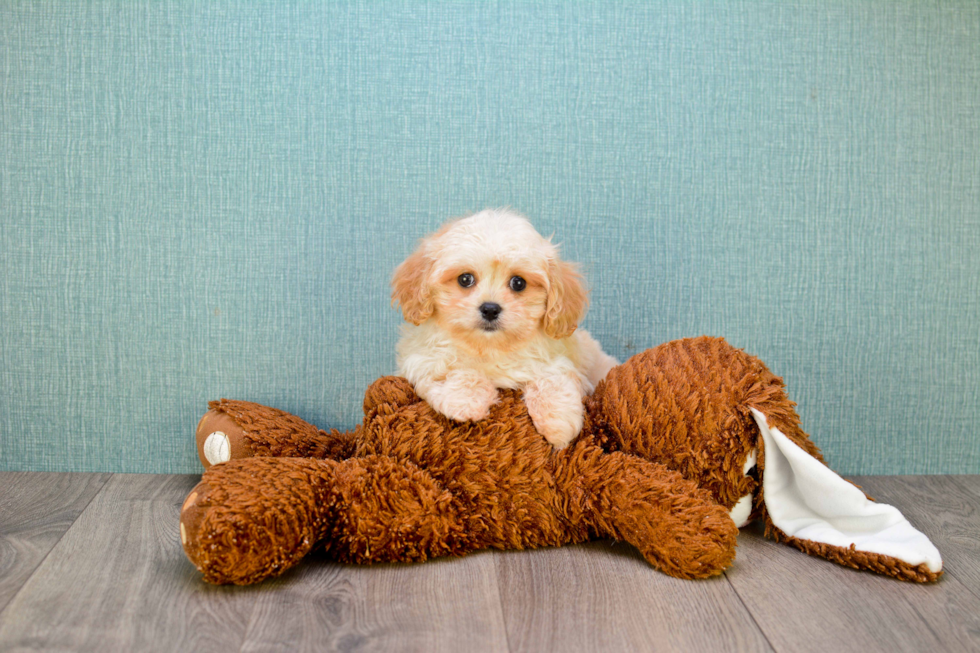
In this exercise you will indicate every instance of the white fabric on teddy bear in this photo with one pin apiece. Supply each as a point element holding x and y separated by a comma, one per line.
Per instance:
<point>807,500</point>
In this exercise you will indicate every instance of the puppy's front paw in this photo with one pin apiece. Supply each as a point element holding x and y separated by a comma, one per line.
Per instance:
<point>462,410</point>
<point>555,407</point>
<point>558,430</point>
<point>465,397</point>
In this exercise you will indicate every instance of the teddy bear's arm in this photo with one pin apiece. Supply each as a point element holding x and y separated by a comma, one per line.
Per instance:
<point>675,525</point>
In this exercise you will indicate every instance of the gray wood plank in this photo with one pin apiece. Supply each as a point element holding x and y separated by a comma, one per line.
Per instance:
<point>441,605</point>
<point>808,604</point>
<point>36,508</point>
<point>119,581</point>
<point>947,509</point>
<point>602,596</point>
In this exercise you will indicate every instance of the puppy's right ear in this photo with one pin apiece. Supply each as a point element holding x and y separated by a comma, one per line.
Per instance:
<point>567,300</point>
<point>410,288</point>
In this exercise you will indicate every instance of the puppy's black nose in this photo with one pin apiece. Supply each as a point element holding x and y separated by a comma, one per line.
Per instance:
<point>490,311</point>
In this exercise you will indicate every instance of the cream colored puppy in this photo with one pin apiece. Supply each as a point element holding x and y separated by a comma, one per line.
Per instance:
<point>490,305</point>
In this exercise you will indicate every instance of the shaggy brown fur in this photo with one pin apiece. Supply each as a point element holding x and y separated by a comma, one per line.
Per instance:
<point>658,465</point>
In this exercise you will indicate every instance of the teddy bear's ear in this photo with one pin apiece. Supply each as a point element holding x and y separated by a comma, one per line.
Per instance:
<point>817,511</point>
<point>567,299</point>
<point>410,288</point>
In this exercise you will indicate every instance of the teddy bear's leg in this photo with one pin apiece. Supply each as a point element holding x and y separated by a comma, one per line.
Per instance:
<point>253,518</point>
<point>676,525</point>
<point>241,429</point>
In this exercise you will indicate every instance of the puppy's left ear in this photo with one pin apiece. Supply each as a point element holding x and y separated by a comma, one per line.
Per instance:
<point>567,300</point>
<point>410,288</point>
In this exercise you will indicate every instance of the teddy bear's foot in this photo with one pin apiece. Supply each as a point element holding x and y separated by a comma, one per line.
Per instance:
<point>192,514</point>
<point>232,430</point>
<point>251,519</point>
<point>219,439</point>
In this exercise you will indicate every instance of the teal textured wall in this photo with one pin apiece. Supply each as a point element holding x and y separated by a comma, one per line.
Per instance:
<point>207,199</point>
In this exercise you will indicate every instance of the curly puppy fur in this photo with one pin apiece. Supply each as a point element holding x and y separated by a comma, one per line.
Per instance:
<point>489,305</point>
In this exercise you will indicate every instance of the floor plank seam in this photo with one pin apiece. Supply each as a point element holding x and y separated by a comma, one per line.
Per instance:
<point>748,611</point>
<point>500,599</point>
<point>37,567</point>
<point>925,621</point>
<point>961,482</point>
<point>967,586</point>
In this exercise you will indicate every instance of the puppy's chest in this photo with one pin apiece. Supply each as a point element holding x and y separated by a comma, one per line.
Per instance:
<point>509,373</point>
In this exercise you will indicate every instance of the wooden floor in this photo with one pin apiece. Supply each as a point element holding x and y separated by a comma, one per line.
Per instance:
<point>93,562</point>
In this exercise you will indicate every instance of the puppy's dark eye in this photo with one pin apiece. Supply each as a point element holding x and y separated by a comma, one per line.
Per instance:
<point>466,279</point>
<point>517,284</point>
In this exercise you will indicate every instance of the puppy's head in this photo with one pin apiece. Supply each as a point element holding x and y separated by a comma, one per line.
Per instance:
<point>490,280</point>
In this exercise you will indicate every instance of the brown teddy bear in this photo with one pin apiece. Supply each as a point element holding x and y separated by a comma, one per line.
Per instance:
<point>682,444</point>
